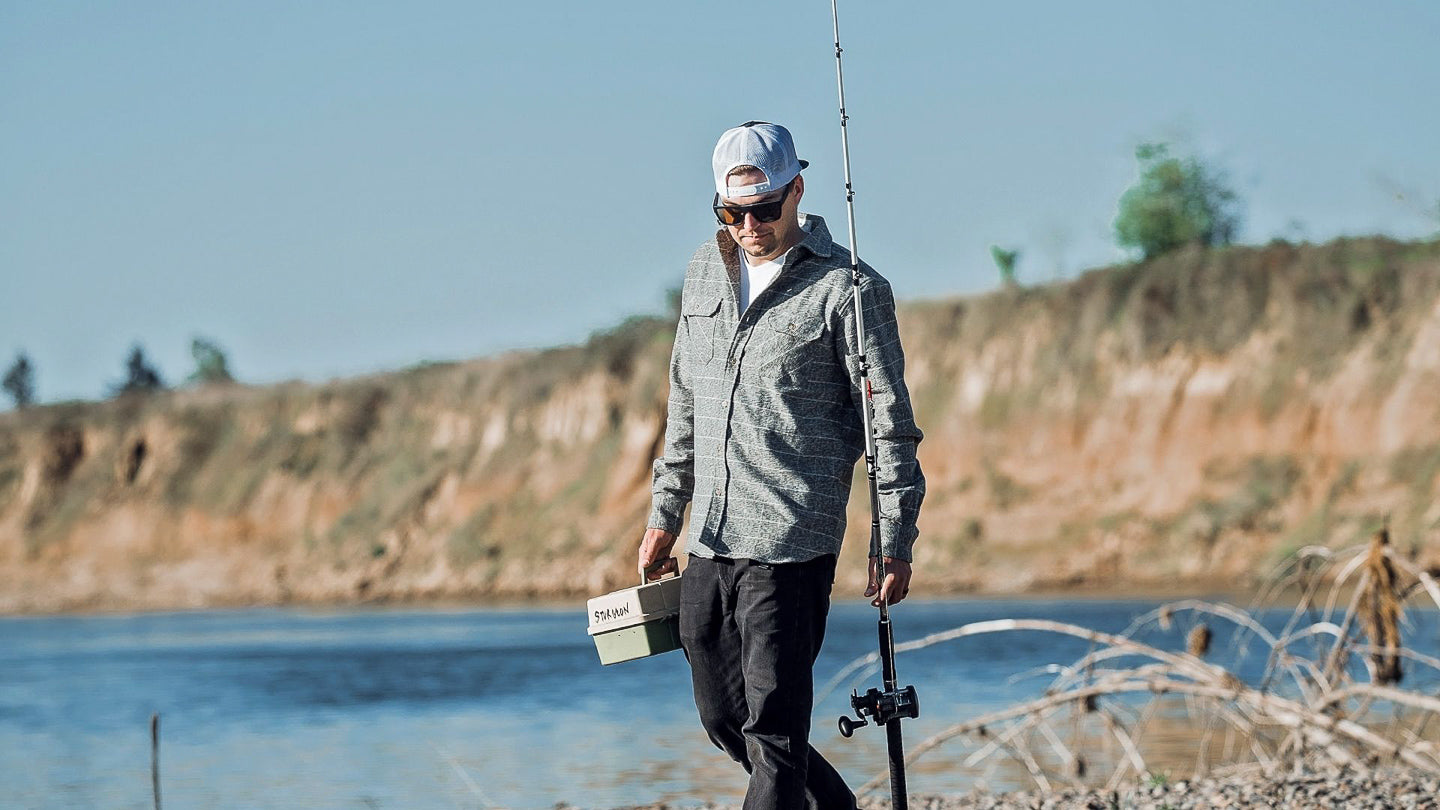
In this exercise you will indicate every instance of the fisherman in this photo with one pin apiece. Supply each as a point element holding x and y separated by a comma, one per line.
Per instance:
<point>764,429</point>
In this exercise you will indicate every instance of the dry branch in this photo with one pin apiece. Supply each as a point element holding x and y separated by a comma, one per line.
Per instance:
<point>1186,663</point>
<point>1317,727</point>
<point>1329,715</point>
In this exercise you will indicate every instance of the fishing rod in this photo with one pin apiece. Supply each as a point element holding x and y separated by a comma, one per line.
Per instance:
<point>884,707</point>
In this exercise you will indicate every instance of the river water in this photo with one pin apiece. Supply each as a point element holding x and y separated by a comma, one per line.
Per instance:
<point>476,708</point>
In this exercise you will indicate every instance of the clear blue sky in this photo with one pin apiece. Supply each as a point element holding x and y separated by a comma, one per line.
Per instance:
<point>330,188</point>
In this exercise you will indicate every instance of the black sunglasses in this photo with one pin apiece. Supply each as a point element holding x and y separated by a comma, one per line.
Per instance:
<point>767,211</point>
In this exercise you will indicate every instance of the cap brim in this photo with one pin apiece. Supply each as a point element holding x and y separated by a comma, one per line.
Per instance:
<point>804,164</point>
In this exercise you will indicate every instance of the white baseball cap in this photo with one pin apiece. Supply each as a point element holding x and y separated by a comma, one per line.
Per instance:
<point>768,147</point>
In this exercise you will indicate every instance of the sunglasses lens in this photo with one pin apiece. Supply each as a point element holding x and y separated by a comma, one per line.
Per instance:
<point>767,212</point>
<point>735,214</point>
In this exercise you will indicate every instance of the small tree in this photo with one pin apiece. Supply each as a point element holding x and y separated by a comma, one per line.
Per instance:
<point>211,365</point>
<point>19,381</point>
<point>1175,202</point>
<point>1005,260</point>
<point>140,376</point>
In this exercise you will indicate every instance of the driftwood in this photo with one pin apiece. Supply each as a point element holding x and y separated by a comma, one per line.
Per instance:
<point>1329,696</point>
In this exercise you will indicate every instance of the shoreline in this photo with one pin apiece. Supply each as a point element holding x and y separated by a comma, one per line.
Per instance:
<point>1370,787</point>
<point>1148,591</point>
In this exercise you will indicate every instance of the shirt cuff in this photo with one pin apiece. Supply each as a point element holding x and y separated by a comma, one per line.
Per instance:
<point>667,513</point>
<point>896,539</point>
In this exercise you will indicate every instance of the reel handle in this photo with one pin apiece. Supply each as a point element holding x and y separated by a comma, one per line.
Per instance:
<point>848,726</point>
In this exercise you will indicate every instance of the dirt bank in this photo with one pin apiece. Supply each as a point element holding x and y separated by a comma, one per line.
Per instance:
<point>1184,421</point>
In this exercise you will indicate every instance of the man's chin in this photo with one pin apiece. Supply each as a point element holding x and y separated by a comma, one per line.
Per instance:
<point>758,250</point>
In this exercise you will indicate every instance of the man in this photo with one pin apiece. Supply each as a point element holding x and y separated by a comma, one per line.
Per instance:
<point>763,433</point>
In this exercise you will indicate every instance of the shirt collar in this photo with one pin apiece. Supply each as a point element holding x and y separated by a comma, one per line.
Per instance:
<point>818,240</point>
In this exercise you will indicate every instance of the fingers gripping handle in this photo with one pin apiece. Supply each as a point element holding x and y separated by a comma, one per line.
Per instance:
<point>647,570</point>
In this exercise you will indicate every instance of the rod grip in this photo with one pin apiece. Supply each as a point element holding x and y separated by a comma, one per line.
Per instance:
<point>898,799</point>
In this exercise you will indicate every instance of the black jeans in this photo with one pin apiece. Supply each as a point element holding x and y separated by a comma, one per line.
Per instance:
<point>751,632</point>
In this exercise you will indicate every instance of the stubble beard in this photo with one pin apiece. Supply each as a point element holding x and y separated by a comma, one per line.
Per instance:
<point>768,247</point>
<point>759,250</point>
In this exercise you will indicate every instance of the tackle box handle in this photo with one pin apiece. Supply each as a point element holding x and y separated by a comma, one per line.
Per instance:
<point>643,570</point>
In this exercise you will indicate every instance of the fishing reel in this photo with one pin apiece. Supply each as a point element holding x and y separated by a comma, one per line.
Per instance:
<point>880,707</point>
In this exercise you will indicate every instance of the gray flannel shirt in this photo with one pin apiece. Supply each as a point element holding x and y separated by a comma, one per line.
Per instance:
<point>764,425</point>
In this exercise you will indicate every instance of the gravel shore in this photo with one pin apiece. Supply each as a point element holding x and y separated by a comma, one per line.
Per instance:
<point>1369,790</point>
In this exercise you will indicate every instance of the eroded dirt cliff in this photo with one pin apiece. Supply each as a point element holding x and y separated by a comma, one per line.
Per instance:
<point>1186,421</point>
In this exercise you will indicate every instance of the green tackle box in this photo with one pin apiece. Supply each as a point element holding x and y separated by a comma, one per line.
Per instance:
<point>636,622</point>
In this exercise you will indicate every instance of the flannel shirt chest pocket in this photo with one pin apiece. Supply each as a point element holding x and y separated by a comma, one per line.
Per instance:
<point>787,344</point>
<point>702,322</point>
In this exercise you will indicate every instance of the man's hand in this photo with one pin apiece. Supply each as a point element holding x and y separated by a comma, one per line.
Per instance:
<point>897,582</point>
<point>655,546</point>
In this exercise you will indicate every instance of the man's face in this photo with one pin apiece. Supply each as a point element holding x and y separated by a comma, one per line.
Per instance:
<point>764,241</point>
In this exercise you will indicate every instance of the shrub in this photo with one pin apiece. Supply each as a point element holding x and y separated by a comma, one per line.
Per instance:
<point>19,381</point>
<point>211,366</point>
<point>1005,261</point>
<point>140,376</point>
<point>1175,202</point>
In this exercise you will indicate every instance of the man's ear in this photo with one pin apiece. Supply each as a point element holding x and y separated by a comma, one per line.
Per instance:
<point>799,188</point>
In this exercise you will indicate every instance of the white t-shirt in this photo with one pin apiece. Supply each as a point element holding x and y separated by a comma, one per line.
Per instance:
<point>756,276</point>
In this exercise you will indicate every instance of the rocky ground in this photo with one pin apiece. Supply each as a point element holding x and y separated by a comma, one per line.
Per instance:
<point>1383,789</point>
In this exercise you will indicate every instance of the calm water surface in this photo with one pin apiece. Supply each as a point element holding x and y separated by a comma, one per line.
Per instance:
<point>478,708</point>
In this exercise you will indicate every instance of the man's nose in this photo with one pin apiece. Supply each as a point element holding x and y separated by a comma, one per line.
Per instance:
<point>750,223</point>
